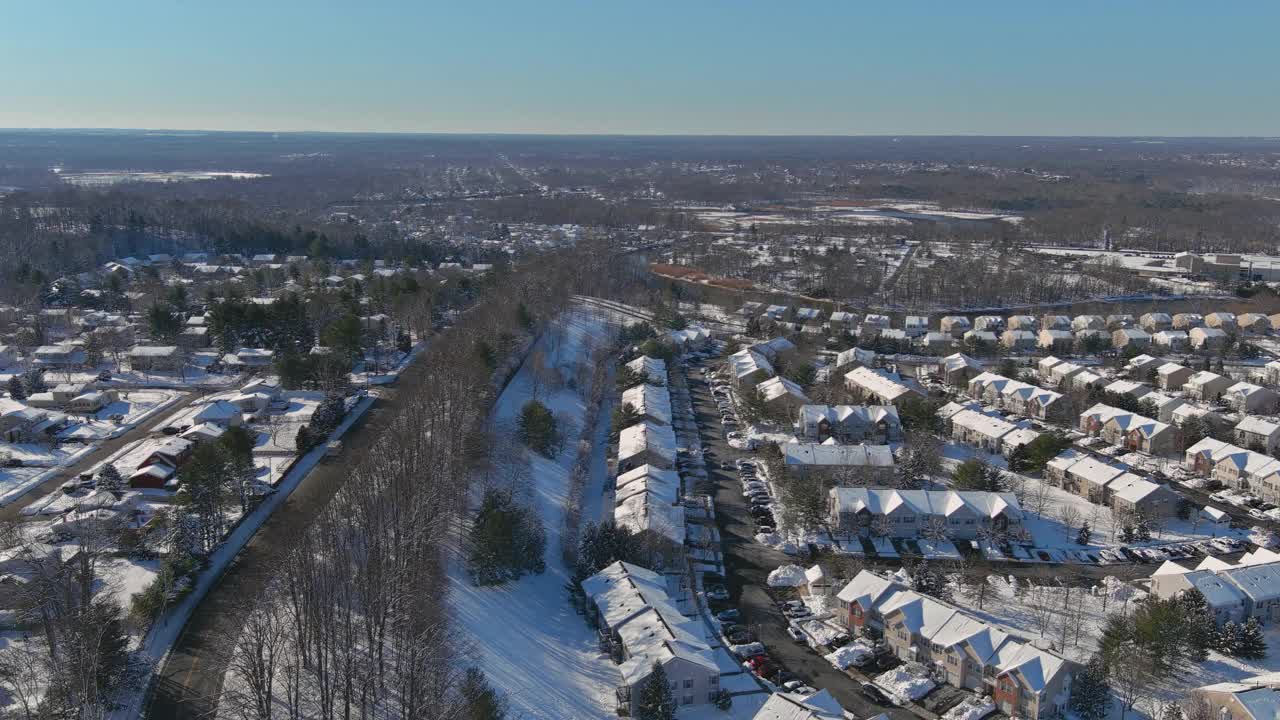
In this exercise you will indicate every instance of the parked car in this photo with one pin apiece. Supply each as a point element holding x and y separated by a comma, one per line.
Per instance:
<point>875,694</point>
<point>741,637</point>
<point>727,615</point>
<point>796,634</point>
<point>764,529</point>
<point>717,592</point>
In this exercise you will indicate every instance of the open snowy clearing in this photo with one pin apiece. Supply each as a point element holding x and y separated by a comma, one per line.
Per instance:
<point>526,635</point>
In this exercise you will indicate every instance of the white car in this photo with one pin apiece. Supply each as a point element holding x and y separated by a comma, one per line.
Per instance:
<point>797,635</point>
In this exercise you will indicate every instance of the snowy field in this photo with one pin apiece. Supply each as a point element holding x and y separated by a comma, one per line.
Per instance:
<point>526,636</point>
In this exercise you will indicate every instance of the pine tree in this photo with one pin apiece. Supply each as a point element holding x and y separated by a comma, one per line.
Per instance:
<point>482,701</point>
<point>1227,639</point>
<point>1085,535</point>
<point>1127,533</point>
<point>109,479</point>
<point>34,382</point>
<point>1090,694</point>
<point>16,391</point>
<point>1198,626</point>
<point>656,702</point>
<point>1250,644</point>
<point>1143,531</point>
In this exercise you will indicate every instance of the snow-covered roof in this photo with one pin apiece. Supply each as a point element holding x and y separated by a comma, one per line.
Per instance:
<point>651,401</point>
<point>943,503</point>
<point>880,384</point>
<point>819,455</point>
<point>748,362</point>
<point>654,369</point>
<point>645,435</point>
<point>778,386</point>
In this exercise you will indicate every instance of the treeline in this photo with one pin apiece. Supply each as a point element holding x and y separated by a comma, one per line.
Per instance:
<point>354,622</point>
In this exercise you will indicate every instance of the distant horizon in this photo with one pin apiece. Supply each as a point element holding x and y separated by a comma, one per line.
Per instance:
<point>721,134</point>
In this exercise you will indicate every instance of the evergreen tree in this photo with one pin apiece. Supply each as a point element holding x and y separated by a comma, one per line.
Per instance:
<point>327,416</point>
<point>1090,694</point>
<point>925,580</point>
<point>1250,644</point>
<point>656,701</point>
<point>506,541</point>
<point>303,439</point>
<point>1127,534</point>
<point>482,701</point>
<point>16,391</point>
<point>1085,535</point>
<point>109,479</point>
<point>538,429</point>
<point>1227,639</point>
<point>1143,530</point>
<point>34,381</point>
<point>1199,626</point>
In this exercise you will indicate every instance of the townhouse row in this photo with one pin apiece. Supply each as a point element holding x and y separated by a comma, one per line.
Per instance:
<point>1022,679</point>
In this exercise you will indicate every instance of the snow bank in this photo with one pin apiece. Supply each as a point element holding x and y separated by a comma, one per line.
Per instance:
<point>747,650</point>
<point>849,656</point>
<point>908,682</point>
<point>770,539</point>
<point>786,576</point>
<point>971,708</point>
<point>821,632</point>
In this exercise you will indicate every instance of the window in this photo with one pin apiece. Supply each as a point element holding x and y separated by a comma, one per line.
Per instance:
<point>688,683</point>
<point>713,680</point>
<point>686,700</point>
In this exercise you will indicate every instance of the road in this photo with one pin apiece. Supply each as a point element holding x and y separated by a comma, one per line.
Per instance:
<point>13,511</point>
<point>190,682</point>
<point>747,565</point>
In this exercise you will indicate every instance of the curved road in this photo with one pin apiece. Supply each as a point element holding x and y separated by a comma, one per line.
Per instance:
<point>189,683</point>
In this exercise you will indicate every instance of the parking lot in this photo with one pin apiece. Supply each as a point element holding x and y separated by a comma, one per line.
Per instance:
<point>748,564</point>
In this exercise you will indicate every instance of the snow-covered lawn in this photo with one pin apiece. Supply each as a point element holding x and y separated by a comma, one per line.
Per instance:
<point>526,635</point>
<point>906,682</point>
<point>125,576</point>
<point>39,462</point>
<point>132,407</point>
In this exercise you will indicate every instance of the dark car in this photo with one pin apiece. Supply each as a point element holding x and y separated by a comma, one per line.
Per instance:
<point>875,694</point>
<point>741,637</point>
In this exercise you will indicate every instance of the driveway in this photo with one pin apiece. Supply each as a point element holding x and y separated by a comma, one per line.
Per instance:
<point>748,564</point>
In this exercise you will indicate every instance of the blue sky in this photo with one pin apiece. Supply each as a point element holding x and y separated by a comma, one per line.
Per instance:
<point>999,68</point>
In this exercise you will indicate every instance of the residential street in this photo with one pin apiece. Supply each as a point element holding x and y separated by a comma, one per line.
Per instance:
<point>748,564</point>
<point>13,511</point>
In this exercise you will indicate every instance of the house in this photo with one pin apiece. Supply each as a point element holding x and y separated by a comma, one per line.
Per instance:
<point>1207,338</point>
<point>1271,371</point>
<point>649,402</point>
<point>646,443</point>
<point>855,357</point>
<point>781,396</point>
<point>1255,698</point>
<point>147,358</point>
<point>882,387</point>
<point>1225,601</point>
<point>872,325</point>
<point>1172,376</point>
<point>1186,321</point>
<point>1130,337</point>
<point>749,368</point>
<point>1132,495</point>
<point>639,625</point>
<point>19,423</point>
<point>937,341</point>
<point>887,512</point>
<point>1055,322</point>
<point>1021,679</point>
<point>1063,372</point>
<point>1255,578</point>
<point>915,325</point>
<point>654,370</point>
<point>1127,388</point>
<point>690,339</point>
<point>1088,477</point>
<point>1160,406</point>
<point>648,499</point>
<point>958,369</point>
<point>1206,386</point>
<point>817,582</point>
<point>194,338</point>
<point>1257,434</point>
<point>1173,340</point>
<point>841,322</point>
<point>980,430</point>
<point>978,338</point>
<point>849,423</point>
<point>1240,469</point>
<point>955,325</point>
<point>1088,322</point>
<point>1247,397</point>
<point>1055,340</point>
<point>1253,323</point>
<point>1118,321</point>
<point>1201,457</point>
<point>8,356</point>
<point>1018,339</point>
<point>1222,320</point>
<point>777,349</point>
<point>249,359</point>
<point>1022,322</point>
<point>90,402</point>
<point>1086,379</point>
<point>873,463</point>
<point>785,706</point>
<point>1045,365</point>
<point>1154,322</point>
<point>62,356</point>
<point>1141,367</point>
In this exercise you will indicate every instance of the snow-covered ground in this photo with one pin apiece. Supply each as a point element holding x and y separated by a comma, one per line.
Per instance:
<point>526,635</point>
<point>132,408</point>
<point>39,462</point>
